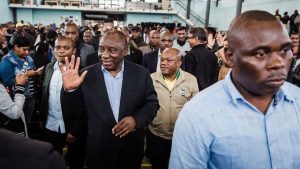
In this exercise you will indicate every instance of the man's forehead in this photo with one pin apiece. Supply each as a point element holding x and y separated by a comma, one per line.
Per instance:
<point>165,37</point>
<point>63,42</point>
<point>73,28</point>
<point>110,41</point>
<point>255,29</point>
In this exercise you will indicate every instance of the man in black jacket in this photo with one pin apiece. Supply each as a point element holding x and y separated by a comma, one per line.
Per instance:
<point>52,119</point>
<point>17,152</point>
<point>119,100</point>
<point>199,61</point>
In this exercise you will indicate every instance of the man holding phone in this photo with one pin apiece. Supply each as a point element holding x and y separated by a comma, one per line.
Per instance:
<point>17,61</point>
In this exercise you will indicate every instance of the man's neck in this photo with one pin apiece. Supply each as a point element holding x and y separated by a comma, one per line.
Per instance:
<point>261,102</point>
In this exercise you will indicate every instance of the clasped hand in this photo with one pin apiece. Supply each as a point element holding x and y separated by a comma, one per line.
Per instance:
<point>124,127</point>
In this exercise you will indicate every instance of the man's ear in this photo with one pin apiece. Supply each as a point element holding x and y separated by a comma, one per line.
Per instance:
<point>125,51</point>
<point>229,57</point>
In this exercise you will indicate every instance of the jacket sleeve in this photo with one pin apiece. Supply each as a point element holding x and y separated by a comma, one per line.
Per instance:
<point>73,110</point>
<point>189,63</point>
<point>8,107</point>
<point>7,73</point>
<point>149,109</point>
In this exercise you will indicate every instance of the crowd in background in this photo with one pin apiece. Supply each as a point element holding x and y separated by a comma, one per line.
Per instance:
<point>202,61</point>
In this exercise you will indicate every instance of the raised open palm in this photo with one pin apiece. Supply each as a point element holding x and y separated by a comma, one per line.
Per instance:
<point>70,76</point>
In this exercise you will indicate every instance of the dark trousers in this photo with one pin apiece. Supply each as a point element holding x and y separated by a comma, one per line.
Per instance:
<point>58,140</point>
<point>126,155</point>
<point>158,151</point>
<point>28,108</point>
<point>76,154</point>
<point>76,150</point>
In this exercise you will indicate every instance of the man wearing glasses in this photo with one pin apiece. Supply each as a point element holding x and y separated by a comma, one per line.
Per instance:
<point>199,61</point>
<point>181,42</point>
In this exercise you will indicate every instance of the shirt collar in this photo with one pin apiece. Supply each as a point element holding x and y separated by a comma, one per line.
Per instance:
<point>55,67</point>
<point>282,93</point>
<point>122,68</point>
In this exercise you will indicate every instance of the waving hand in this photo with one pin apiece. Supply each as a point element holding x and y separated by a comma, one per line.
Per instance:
<point>70,76</point>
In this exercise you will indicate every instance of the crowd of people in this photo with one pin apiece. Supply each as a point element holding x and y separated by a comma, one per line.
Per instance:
<point>114,95</point>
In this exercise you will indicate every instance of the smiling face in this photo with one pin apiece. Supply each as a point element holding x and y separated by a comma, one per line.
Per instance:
<point>170,62</point>
<point>112,49</point>
<point>260,56</point>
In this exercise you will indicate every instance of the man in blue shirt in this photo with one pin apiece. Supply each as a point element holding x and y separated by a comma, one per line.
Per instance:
<point>250,119</point>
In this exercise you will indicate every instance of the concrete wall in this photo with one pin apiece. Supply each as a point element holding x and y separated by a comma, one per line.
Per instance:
<point>5,12</point>
<point>47,17</point>
<point>222,15</point>
<point>135,18</point>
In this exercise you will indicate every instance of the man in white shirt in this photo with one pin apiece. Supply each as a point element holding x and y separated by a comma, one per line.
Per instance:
<point>181,43</point>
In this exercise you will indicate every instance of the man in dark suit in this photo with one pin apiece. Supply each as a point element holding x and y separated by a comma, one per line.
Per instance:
<point>119,100</point>
<point>133,55</point>
<point>17,152</point>
<point>200,61</point>
<point>151,60</point>
<point>56,131</point>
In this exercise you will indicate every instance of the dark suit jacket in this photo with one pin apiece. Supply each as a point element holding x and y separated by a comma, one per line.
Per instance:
<point>17,152</point>
<point>138,99</point>
<point>203,64</point>
<point>77,128</point>
<point>135,56</point>
<point>150,61</point>
<point>92,59</point>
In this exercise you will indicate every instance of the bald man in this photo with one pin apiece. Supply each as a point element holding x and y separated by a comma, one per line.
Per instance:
<point>174,87</point>
<point>251,118</point>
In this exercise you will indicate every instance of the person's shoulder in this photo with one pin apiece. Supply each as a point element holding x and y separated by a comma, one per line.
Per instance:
<point>18,146</point>
<point>188,75</point>
<point>88,47</point>
<point>151,53</point>
<point>134,67</point>
<point>137,51</point>
<point>91,68</point>
<point>291,90</point>
<point>207,102</point>
<point>155,74</point>
<point>8,59</point>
